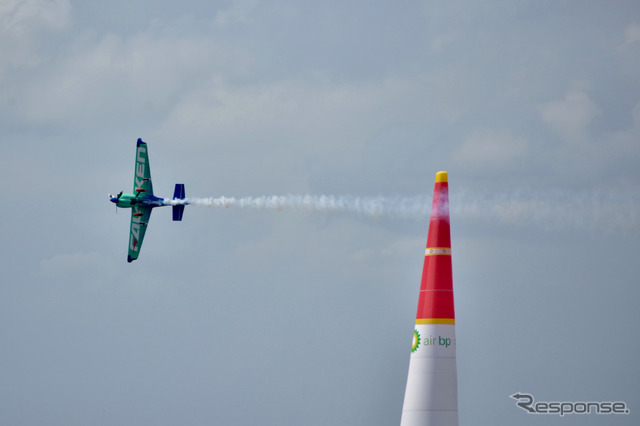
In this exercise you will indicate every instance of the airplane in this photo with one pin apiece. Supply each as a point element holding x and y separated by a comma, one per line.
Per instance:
<point>143,201</point>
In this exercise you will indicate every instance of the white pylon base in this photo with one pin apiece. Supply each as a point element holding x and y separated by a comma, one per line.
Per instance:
<point>431,396</point>
<point>422,418</point>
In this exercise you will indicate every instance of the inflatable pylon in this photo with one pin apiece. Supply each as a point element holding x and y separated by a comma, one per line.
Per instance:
<point>431,395</point>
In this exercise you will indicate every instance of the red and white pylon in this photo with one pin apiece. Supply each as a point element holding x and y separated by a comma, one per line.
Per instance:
<point>431,395</point>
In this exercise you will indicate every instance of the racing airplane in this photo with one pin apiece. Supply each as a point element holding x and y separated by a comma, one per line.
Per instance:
<point>143,201</point>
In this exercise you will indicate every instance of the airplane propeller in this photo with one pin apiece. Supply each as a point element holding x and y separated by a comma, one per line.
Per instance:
<point>117,197</point>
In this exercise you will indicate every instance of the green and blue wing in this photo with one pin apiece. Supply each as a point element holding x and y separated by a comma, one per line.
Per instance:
<point>139,221</point>
<point>142,175</point>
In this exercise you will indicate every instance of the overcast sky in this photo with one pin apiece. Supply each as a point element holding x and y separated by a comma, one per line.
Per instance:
<point>260,317</point>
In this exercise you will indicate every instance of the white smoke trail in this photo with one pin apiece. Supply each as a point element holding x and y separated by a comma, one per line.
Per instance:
<point>595,209</point>
<point>406,207</point>
<point>592,209</point>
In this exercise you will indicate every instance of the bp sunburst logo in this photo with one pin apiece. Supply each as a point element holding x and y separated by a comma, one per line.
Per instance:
<point>416,341</point>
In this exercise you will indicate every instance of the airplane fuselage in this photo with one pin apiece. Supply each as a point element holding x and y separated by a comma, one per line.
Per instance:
<point>127,201</point>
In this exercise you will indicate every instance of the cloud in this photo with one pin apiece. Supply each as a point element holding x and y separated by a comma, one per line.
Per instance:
<point>623,146</point>
<point>491,148</point>
<point>632,34</point>
<point>290,116</point>
<point>596,152</point>
<point>400,249</point>
<point>79,267</point>
<point>26,17</point>
<point>21,22</point>
<point>237,13</point>
<point>571,116</point>
<point>116,77</point>
<point>440,42</point>
<point>629,52</point>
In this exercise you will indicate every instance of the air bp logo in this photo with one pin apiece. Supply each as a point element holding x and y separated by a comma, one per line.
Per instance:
<point>416,341</point>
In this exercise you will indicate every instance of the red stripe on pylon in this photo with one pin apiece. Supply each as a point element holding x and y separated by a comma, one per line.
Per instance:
<point>439,228</point>
<point>436,287</point>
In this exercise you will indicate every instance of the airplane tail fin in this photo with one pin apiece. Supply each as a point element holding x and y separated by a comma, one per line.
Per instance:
<point>178,194</point>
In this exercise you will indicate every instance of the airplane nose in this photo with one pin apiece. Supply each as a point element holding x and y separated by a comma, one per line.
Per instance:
<point>114,200</point>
